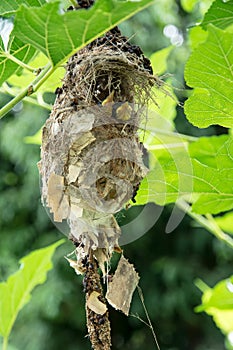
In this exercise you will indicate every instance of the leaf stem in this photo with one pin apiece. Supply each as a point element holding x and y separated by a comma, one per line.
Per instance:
<point>38,81</point>
<point>173,134</point>
<point>37,102</point>
<point>207,222</point>
<point>18,62</point>
<point>73,2</point>
<point>5,343</point>
<point>165,146</point>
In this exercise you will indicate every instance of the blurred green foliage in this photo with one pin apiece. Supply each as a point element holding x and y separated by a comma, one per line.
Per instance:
<point>167,263</point>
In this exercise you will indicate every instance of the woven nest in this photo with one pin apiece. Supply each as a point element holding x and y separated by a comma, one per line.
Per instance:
<point>91,158</point>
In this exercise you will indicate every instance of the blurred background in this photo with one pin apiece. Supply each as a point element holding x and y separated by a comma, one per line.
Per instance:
<point>168,264</point>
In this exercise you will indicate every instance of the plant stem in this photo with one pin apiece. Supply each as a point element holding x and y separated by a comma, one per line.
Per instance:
<point>39,80</point>
<point>208,222</point>
<point>173,134</point>
<point>18,62</point>
<point>73,2</point>
<point>5,343</point>
<point>165,146</point>
<point>40,103</point>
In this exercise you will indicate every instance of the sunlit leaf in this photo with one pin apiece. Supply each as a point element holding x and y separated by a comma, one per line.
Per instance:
<point>218,302</point>
<point>10,7</point>
<point>35,139</point>
<point>22,51</point>
<point>197,35</point>
<point>219,14</point>
<point>188,5</point>
<point>59,35</point>
<point>209,72</point>
<point>159,60</point>
<point>204,178</point>
<point>16,291</point>
<point>225,222</point>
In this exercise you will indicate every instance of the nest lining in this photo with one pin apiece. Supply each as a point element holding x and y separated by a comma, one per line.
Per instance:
<point>92,77</point>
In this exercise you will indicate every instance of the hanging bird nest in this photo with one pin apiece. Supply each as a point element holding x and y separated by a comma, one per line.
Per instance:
<point>91,155</point>
<point>92,164</point>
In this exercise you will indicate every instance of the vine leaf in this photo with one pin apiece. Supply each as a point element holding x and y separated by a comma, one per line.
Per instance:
<point>192,175</point>
<point>22,51</point>
<point>209,72</point>
<point>10,7</point>
<point>59,35</point>
<point>218,302</point>
<point>219,14</point>
<point>16,291</point>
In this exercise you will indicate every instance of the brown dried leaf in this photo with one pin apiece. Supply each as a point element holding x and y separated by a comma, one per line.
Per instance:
<point>57,201</point>
<point>76,266</point>
<point>95,304</point>
<point>102,258</point>
<point>122,286</point>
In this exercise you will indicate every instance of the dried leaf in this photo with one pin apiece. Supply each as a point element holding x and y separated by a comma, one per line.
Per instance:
<point>122,286</point>
<point>56,200</point>
<point>76,266</point>
<point>102,258</point>
<point>95,304</point>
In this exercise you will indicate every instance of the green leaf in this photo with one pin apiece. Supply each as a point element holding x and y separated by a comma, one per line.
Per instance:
<point>188,5</point>
<point>19,50</point>
<point>225,222</point>
<point>195,176</point>
<point>209,72</point>
<point>10,7</point>
<point>219,14</point>
<point>218,302</point>
<point>159,60</point>
<point>197,35</point>
<point>60,35</point>
<point>27,77</point>
<point>35,139</point>
<point>206,149</point>
<point>16,291</point>
<point>171,171</point>
<point>213,179</point>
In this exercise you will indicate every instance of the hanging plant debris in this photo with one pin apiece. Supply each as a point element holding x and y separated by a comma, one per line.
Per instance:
<point>92,164</point>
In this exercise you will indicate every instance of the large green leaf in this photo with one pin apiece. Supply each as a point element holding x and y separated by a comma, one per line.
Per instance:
<point>171,174</point>
<point>21,51</point>
<point>59,35</point>
<point>218,302</point>
<point>203,175</point>
<point>219,14</point>
<point>10,7</point>
<point>209,72</point>
<point>16,291</point>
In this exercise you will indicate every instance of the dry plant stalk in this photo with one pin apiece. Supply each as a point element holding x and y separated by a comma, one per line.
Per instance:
<point>91,159</point>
